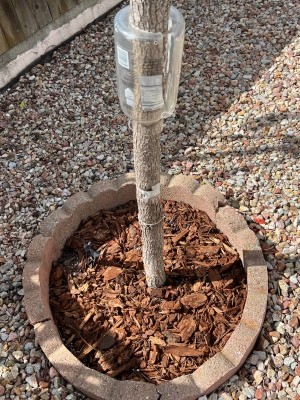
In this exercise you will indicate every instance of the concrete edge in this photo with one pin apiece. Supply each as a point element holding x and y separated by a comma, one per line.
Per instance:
<point>45,249</point>
<point>26,53</point>
<point>90,382</point>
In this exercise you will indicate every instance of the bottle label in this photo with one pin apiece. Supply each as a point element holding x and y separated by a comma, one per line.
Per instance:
<point>129,97</point>
<point>151,92</point>
<point>123,57</point>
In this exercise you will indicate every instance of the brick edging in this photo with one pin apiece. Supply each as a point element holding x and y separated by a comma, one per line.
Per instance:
<point>46,248</point>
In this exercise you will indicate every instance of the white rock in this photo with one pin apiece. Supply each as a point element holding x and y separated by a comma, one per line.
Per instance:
<point>52,372</point>
<point>12,337</point>
<point>31,379</point>
<point>261,354</point>
<point>278,360</point>
<point>258,377</point>
<point>29,368</point>
<point>15,371</point>
<point>284,287</point>
<point>253,359</point>
<point>288,361</point>
<point>17,354</point>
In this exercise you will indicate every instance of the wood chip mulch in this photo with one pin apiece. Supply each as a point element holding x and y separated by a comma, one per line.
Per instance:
<point>113,323</point>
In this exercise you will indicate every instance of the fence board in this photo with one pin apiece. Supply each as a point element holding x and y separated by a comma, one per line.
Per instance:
<point>57,8</point>
<point>26,18</point>
<point>72,3</point>
<point>3,42</point>
<point>40,11</point>
<point>10,23</point>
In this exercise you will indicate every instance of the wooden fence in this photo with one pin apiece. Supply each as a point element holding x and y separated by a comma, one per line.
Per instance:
<point>19,19</point>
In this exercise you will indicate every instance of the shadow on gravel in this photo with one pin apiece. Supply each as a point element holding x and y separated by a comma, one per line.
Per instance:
<point>286,141</point>
<point>236,43</point>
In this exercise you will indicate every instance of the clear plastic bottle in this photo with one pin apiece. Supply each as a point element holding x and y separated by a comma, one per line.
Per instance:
<point>158,93</point>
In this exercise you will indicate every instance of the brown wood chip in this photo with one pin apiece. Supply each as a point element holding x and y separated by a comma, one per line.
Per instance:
<point>111,321</point>
<point>193,300</point>
<point>183,351</point>
<point>111,273</point>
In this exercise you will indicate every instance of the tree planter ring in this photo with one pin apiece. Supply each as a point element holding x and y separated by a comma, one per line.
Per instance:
<point>46,248</point>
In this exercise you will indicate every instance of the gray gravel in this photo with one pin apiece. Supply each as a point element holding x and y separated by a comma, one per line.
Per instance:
<point>237,126</point>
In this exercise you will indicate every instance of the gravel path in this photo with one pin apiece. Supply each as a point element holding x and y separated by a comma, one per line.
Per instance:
<point>237,126</point>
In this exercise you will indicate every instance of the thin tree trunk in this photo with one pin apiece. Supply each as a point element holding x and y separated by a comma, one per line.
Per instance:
<point>150,60</point>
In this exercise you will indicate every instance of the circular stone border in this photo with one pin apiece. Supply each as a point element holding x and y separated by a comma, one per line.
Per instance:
<point>47,247</point>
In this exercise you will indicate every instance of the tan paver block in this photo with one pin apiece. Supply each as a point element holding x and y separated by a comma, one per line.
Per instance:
<point>240,344</point>
<point>209,200</point>
<point>214,196</point>
<point>132,390</point>
<point>244,241</point>
<point>103,186</point>
<point>112,184</point>
<point>181,388</point>
<point>43,249</point>
<point>183,181</point>
<point>81,204</point>
<point>60,225</point>
<point>125,179</point>
<point>257,278</point>
<point>176,193</point>
<point>213,373</point>
<point>101,195</point>
<point>88,381</point>
<point>165,179</point>
<point>229,221</point>
<point>248,247</point>
<point>255,309</point>
<point>36,292</point>
<point>252,257</point>
<point>106,199</point>
<point>126,193</point>
<point>41,254</point>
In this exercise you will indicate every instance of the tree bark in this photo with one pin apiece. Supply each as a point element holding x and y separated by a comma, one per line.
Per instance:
<point>150,60</point>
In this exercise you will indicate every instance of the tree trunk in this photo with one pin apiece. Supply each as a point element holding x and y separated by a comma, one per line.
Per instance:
<point>150,60</point>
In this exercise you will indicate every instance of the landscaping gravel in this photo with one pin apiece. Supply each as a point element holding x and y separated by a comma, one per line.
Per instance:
<point>237,126</point>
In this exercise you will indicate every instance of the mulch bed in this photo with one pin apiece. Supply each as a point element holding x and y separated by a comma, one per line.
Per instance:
<point>112,322</point>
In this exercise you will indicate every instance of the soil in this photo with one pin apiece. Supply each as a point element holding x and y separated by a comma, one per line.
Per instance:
<point>114,323</point>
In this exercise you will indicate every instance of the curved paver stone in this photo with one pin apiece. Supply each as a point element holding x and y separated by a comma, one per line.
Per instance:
<point>45,250</point>
<point>42,252</point>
